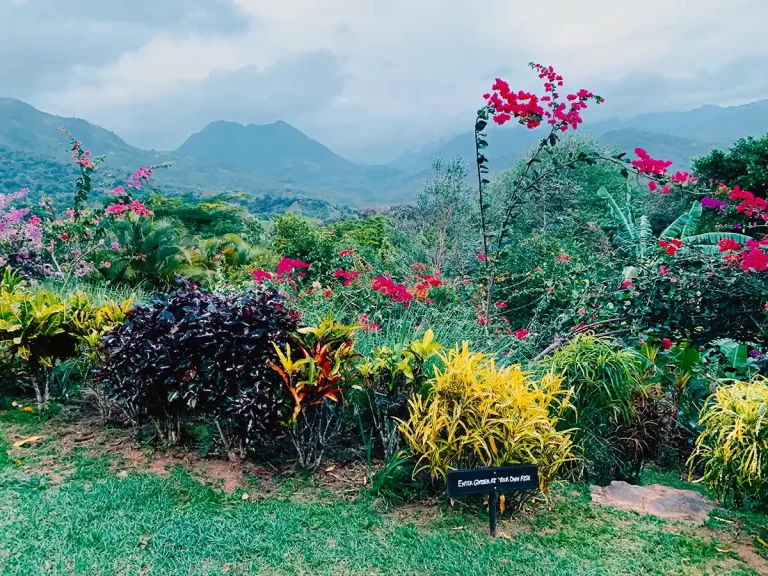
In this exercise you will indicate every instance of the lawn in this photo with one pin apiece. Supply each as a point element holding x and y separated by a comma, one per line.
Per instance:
<point>66,509</point>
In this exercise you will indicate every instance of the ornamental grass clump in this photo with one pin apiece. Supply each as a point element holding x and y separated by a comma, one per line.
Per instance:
<point>733,446</point>
<point>478,414</point>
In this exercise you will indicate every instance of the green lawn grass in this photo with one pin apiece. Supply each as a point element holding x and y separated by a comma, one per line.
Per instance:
<point>94,522</point>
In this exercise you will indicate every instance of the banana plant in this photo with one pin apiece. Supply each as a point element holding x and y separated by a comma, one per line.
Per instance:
<point>684,228</point>
<point>634,236</point>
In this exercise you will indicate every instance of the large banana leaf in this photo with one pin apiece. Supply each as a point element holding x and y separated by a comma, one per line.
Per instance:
<point>707,243</point>
<point>684,224</point>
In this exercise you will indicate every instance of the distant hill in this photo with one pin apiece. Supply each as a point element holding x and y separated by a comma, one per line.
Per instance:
<point>678,149</point>
<point>275,160</point>
<point>678,136</point>
<point>282,152</point>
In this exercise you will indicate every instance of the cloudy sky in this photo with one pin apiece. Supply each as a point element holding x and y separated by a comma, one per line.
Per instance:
<point>369,78</point>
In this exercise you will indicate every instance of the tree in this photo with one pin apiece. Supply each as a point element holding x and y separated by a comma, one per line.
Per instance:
<point>744,165</point>
<point>442,220</point>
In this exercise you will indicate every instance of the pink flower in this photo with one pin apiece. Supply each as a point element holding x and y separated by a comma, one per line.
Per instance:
<point>563,258</point>
<point>482,257</point>
<point>500,304</point>
<point>652,186</point>
<point>106,264</point>
<point>287,265</point>
<point>346,253</point>
<point>260,275</point>
<point>115,246</point>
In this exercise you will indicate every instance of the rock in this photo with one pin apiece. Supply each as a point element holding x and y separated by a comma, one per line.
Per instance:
<point>662,501</point>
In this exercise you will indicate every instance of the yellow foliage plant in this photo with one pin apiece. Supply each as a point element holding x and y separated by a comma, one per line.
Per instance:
<point>733,445</point>
<point>477,414</point>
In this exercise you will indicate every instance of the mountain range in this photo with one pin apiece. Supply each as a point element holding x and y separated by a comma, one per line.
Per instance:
<point>278,161</point>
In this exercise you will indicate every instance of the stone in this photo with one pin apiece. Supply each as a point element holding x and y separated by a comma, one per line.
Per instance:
<point>662,501</point>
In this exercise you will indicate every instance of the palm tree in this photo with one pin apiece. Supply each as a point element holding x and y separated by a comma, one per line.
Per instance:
<point>149,251</point>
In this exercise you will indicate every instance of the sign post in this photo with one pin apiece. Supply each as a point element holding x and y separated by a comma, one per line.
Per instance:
<point>491,481</point>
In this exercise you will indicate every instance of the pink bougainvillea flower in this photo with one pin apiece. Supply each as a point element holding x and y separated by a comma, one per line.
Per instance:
<point>260,275</point>
<point>647,165</point>
<point>287,265</point>
<point>348,277</point>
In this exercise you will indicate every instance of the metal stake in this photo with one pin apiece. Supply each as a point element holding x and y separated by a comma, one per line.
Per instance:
<point>492,501</point>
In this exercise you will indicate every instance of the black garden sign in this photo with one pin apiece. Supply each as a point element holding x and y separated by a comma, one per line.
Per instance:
<point>492,481</point>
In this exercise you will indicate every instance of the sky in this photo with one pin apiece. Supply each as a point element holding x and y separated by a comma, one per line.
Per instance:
<point>369,78</point>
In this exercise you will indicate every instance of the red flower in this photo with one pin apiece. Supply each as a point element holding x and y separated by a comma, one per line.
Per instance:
<point>563,258</point>
<point>500,305</point>
<point>521,334</point>
<point>346,253</point>
<point>64,236</point>
<point>482,257</point>
<point>671,246</point>
<point>627,284</point>
<point>727,244</point>
<point>652,186</point>
<point>666,343</point>
<point>397,292</point>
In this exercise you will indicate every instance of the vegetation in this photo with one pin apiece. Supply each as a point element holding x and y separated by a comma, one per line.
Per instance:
<point>585,311</point>
<point>731,447</point>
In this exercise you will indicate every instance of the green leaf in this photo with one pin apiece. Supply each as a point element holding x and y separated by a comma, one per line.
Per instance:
<point>734,351</point>
<point>683,224</point>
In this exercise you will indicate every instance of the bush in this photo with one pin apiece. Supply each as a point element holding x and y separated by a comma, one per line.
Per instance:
<point>325,353</point>
<point>192,353</point>
<point>733,447</point>
<point>388,379</point>
<point>612,405</point>
<point>480,415</point>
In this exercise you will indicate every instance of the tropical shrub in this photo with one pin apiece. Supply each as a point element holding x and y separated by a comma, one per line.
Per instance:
<point>35,333</point>
<point>608,389</point>
<point>388,379</point>
<point>189,352</point>
<point>733,446</point>
<point>478,414</point>
<point>325,354</point>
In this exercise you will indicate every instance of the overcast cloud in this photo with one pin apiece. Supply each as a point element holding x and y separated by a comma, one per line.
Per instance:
<point>368,78</point>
